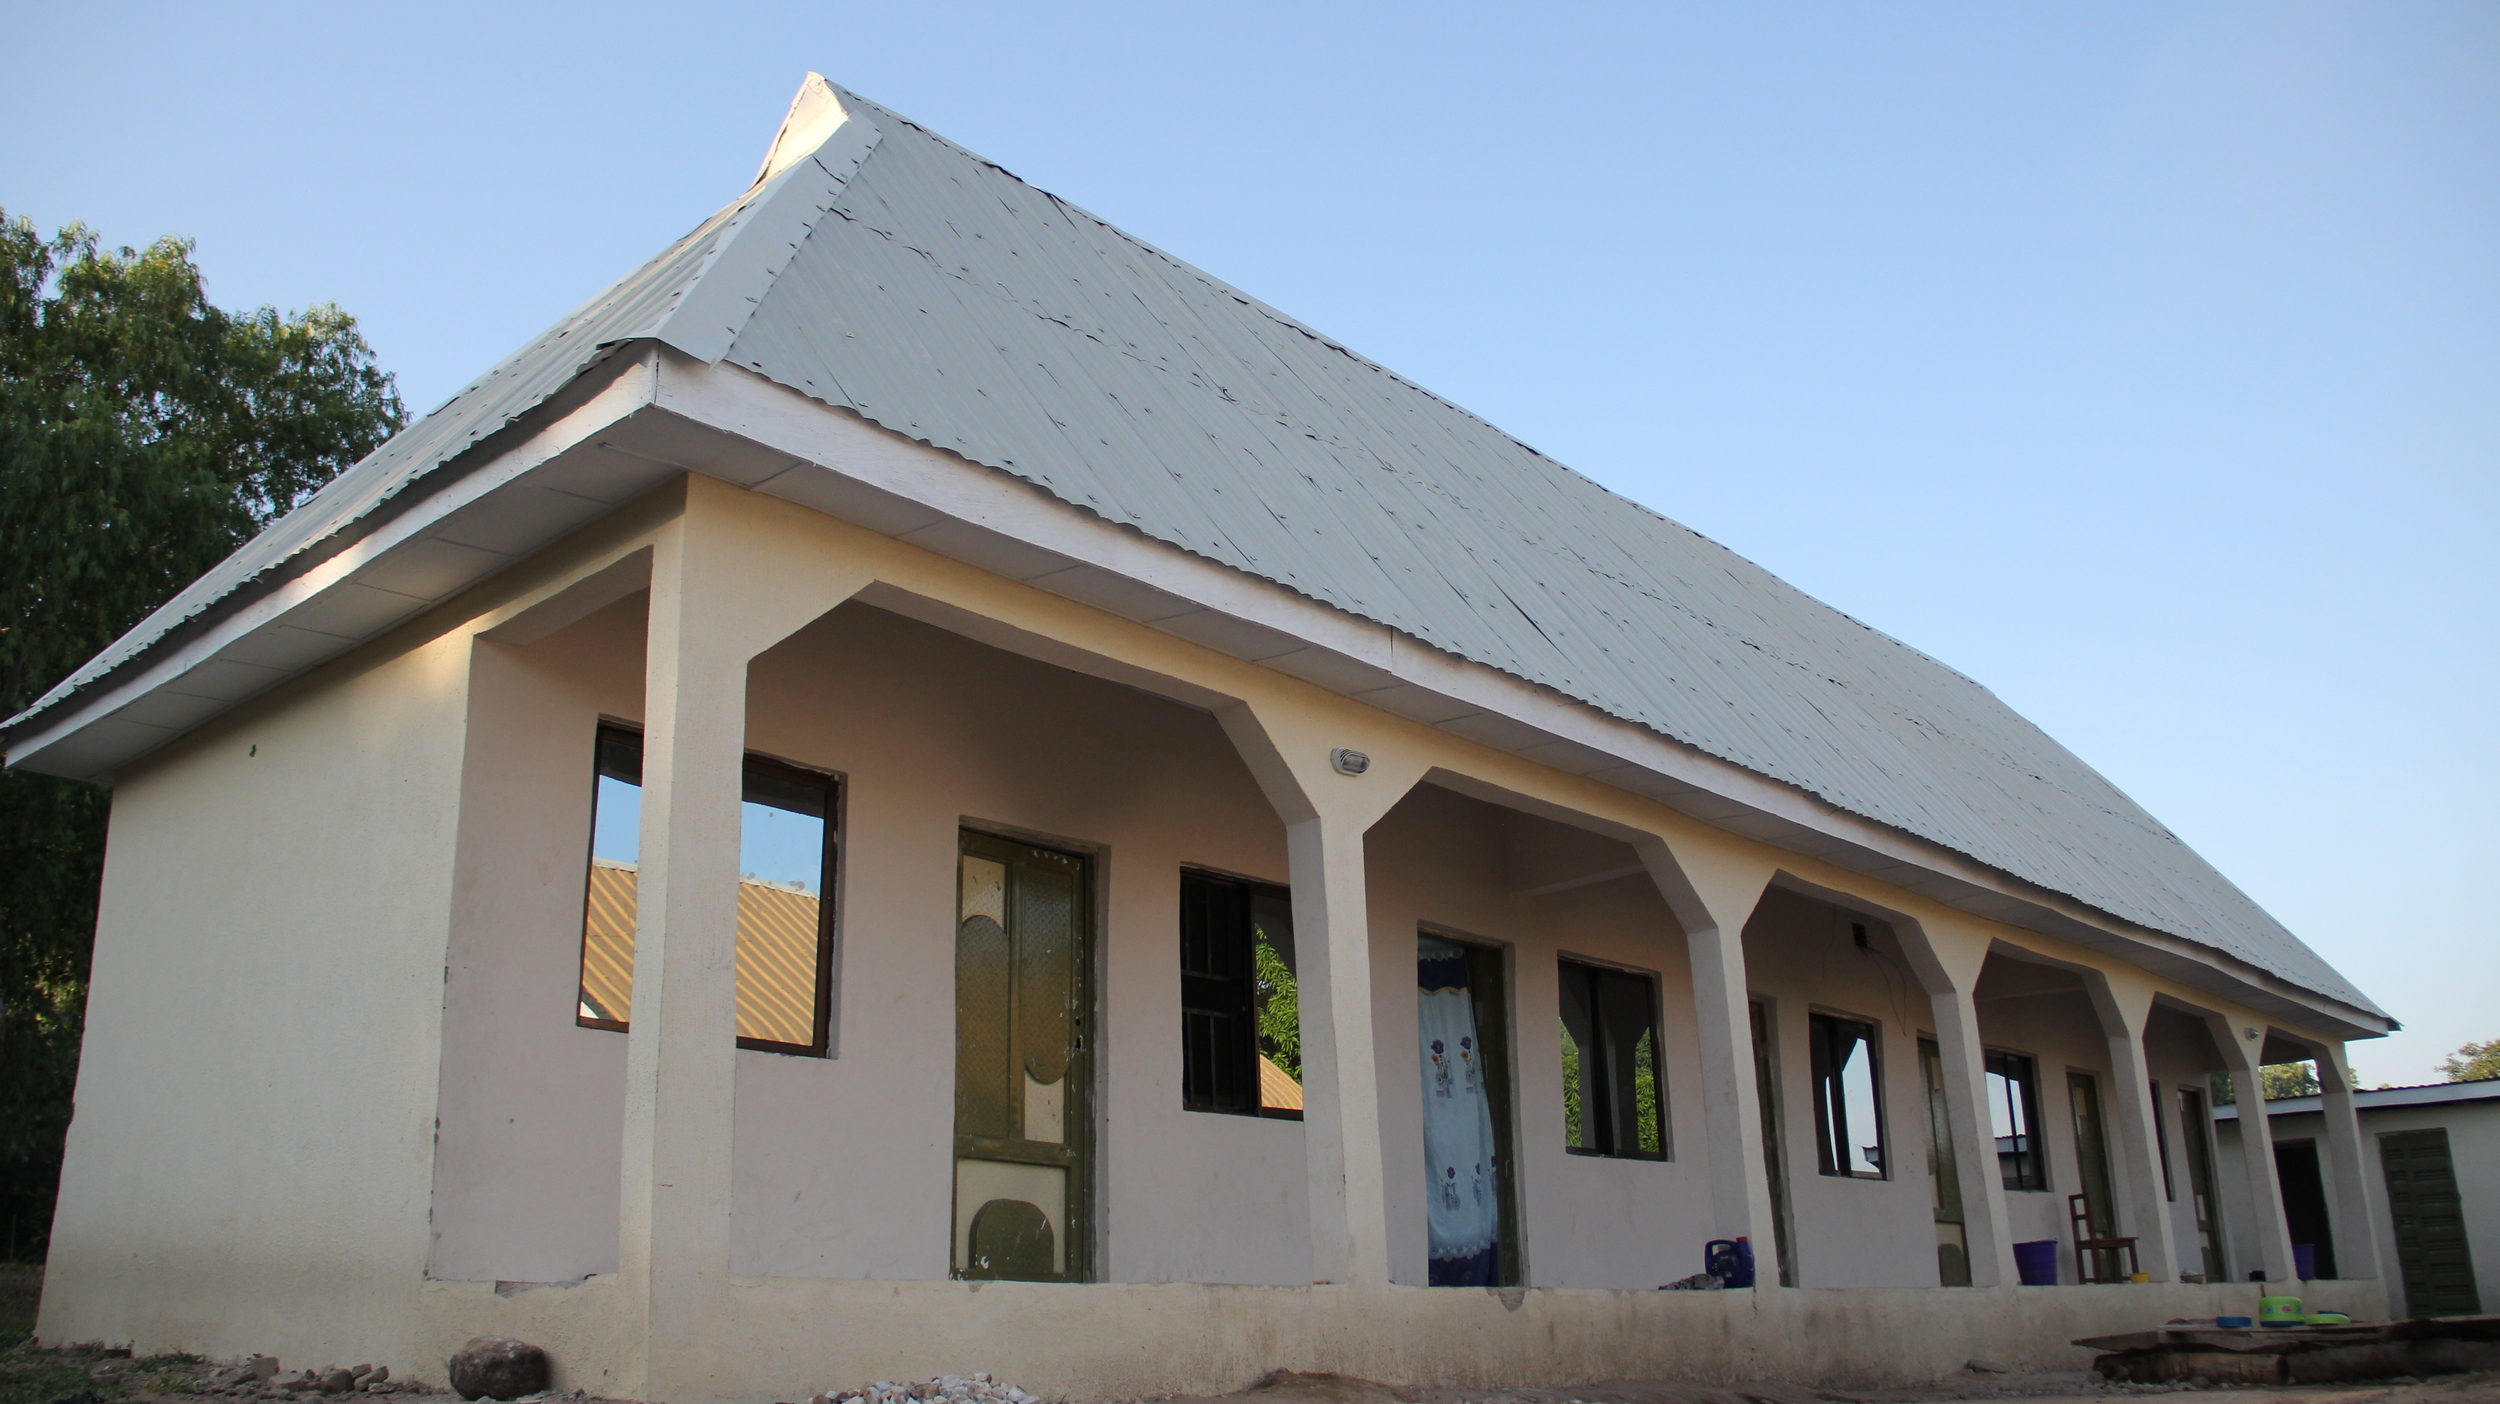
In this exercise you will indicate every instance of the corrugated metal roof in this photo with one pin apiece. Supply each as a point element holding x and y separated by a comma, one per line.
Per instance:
<point>952,302</point>
<point>898,275</point>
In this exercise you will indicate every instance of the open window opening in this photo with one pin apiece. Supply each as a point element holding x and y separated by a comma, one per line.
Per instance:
<point>2014,1119</point>
<point>788,846</point>
<point>1241,1008</point>
<point>1614,1081</point>
<point>1848,1097</point>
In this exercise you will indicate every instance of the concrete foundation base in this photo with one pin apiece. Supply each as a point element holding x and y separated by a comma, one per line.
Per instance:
<point>780,1338</point>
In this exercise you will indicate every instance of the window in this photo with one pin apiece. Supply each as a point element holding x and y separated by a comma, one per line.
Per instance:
<point>2014,1118</point>
<point>1241,1015</point>
<point>1614,1086</point>
<point>2161,1142</point>
<point>1848,1097</point>
<point>788,833</point>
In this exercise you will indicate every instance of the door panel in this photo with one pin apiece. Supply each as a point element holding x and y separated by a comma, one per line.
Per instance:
<point>1022,1077</point>
<point>1944,1176</point>
<point>2196,1131</point>
<point>2429,1217</point>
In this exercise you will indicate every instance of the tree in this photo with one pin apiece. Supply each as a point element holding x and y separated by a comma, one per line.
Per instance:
<point>144,435</point>
<point>2281,1080</point>
<point>2474,1062</point>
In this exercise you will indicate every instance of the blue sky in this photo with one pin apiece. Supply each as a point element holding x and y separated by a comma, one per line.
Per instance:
<point>2140,360</point>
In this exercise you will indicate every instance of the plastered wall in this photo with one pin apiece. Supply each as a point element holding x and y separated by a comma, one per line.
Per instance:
<point>1801,958</point>
<point>255,1102</point>
<point>843,1164</point>
<point>1464,868</point>
<point>526,1166</point>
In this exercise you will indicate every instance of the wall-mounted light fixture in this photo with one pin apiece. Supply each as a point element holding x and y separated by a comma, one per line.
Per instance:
<point>1349,762</point>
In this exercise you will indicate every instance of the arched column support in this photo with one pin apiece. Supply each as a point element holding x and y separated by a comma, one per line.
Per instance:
<point>1712,890</point>
<point>731,576</point>
<point>1326,814</point>
<point>1947,956</point>
<point>2125,1006</point>
<point>2346,1163</point>
<point>2242,1043</point>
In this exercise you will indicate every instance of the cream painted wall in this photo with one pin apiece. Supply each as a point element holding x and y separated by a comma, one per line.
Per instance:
<point>2181,1055</point>
<point>842,1164</point>
<point>1456,864</point>
<point>2062,1034</point>
<point>256,1097</point>
<point>527,1155</point>
<point>1800,955</point>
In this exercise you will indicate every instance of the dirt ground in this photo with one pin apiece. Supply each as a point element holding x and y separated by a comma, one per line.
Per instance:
<point>2068,1388</point>
<point>90,1376</point>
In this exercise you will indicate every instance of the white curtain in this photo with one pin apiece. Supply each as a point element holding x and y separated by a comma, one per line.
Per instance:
<point>1463,1197</point>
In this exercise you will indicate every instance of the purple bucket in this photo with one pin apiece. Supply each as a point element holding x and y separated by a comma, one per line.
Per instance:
<point>2305,1261</point>
<point>2036,1262</point>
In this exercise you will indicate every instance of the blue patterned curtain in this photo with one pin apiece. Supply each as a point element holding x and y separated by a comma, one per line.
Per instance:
<point>1463,1197</point>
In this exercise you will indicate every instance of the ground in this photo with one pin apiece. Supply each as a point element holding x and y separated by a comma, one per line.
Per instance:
<point>93,1376</point>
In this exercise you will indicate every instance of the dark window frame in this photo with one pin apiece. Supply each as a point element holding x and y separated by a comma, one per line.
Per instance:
<point>1831,1104</point>
<point>2026,1079</point>
<point>1219,992</point>
<point>828,905</point>
<point>1599,1075</point>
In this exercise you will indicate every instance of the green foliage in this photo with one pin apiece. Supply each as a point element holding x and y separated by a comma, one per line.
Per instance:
<point>2474,1062</point>
<point>144,434</point>
<point>1279,1008</point>
<point>1645,1092</point>
<point>2281,1080</point>
<point>1574,1106</point>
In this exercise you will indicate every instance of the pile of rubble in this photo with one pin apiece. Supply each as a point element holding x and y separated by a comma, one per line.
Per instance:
<point>944,1389</point>
<point>260,1377</point>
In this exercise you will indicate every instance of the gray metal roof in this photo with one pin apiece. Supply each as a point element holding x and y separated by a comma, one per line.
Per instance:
<point>903,277</point>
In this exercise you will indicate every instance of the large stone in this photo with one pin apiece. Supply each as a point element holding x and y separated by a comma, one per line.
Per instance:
<point>498,1367</point>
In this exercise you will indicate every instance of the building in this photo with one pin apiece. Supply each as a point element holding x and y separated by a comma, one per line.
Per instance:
<point>1170,722</point>
<point>2431,1173</point>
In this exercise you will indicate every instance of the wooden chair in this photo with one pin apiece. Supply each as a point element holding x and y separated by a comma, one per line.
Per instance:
<point>2096,1259</point>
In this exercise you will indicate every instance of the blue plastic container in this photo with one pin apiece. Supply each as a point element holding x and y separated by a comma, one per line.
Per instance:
<point>2305,1261</point>
<point>1730,1260</point>
<point>2036,1262</point>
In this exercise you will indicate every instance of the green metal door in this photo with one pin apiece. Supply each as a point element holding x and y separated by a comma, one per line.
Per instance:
<point>2429,1216</point>
<point>1022,1008</point>
<point>1944,1177</point>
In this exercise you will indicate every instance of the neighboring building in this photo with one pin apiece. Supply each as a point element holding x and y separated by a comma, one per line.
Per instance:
<point>2432,1176</point>
<point>1008,673</point>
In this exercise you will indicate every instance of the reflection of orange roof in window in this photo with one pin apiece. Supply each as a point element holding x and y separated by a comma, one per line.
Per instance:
<point>776,955</point>
<point>1277,1090</point>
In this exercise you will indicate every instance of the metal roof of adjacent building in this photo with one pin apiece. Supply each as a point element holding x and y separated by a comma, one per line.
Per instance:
<point>893,273</point>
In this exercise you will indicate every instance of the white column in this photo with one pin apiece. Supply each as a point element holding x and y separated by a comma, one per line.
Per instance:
<point>1965,1057</point>
<point>2143,1210</point>
<point>1711,895</point>
<point>1289,750</point>
<point>733,575</point>
<point>1347,1159</point>
<point>2347,1169</point>
<point>680,1057</point>
<point>2265,1192</point>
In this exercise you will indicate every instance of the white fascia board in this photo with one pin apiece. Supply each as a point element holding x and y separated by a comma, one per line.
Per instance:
<point>848,467</point>
<point>410,549</point>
